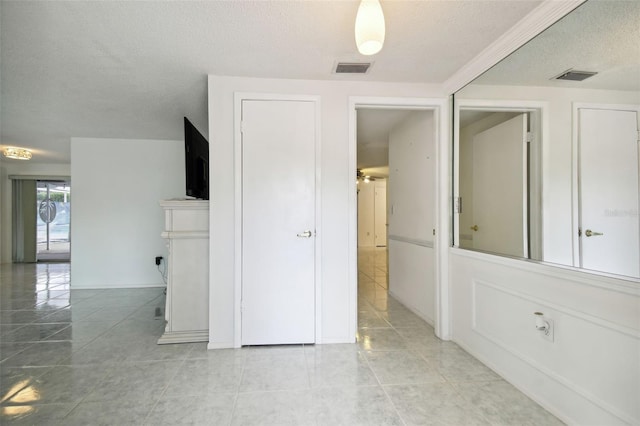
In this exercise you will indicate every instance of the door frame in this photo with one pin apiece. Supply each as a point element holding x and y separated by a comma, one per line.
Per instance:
<point>239,97</point>
<point>575,166</point>
<point>441,212</point>
<point>538,120</point>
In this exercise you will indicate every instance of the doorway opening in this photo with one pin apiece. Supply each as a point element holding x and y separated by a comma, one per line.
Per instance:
<point>53,220</point>
<point>396,204</point>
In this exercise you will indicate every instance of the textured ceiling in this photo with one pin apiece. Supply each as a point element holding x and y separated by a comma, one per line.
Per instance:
<point>133,69</point>
<point>601,36</point>
<point>373,127</point>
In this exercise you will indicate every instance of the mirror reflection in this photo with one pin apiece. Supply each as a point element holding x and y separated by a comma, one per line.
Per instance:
<point>546,146</point>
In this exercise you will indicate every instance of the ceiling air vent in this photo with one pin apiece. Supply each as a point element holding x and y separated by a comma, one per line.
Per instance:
<point>352,68</point>
<point>574,75</point>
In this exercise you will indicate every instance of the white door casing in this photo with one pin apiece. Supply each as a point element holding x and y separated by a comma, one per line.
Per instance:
<point>608,200</point>
<point>500,188</point>
<point>441,241</point>
<point>278,221</point>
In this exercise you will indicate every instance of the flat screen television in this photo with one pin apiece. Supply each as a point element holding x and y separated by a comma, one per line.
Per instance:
<point>196,156</point>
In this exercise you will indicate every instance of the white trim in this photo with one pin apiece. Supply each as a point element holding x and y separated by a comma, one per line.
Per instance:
<point>442,309</point>
<point>414,241</point>
<point>237,220</point>
<point>542,17</point>
<point>619,284</point>
<point>575,179</point>
<point>239,97</point>
<point>444,214</point>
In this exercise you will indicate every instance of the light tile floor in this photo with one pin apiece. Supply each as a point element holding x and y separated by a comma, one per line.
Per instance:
<point>89,357</point>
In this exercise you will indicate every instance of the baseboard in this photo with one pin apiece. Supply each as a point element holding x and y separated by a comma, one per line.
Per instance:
<point>336,340</point>
<point>184,337</point>
<point>116,287</point>
<point>220,345</point>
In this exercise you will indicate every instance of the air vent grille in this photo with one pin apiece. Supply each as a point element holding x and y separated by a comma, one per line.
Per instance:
<point>352,68</point>
<point>574,75</point>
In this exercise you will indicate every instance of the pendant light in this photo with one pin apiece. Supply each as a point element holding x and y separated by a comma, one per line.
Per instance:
<point>369,27</point>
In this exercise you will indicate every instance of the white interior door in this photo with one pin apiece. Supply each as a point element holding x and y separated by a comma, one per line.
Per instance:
<point>608,191</point>
<point>380,213</point>
<point>500,188</point>
<point>278,222</point>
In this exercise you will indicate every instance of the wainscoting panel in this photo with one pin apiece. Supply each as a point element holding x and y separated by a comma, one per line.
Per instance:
<point>411,275</point>
<point>590,372</point>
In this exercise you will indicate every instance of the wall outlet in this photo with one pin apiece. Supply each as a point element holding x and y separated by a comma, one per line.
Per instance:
<point>158,260</point>
<point>549,334</point>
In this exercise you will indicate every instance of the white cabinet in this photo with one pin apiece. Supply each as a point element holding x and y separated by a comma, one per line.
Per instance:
<point>187,306</point>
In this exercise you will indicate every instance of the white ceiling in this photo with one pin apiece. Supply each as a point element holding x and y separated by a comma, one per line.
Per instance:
<point>600,36</point>
<point>131,69</point>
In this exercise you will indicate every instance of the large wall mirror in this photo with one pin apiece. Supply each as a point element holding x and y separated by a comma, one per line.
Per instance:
<point>546,146</point>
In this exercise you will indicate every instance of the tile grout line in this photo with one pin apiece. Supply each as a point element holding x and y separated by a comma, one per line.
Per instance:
<point>234,406</point>
<point>385,392</point>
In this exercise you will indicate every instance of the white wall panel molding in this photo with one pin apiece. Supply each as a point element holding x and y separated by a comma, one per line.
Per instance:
<point>411,278</point>
<point>414,241</point>
<point>627,331</point>
<point>486,311</point>
<point>625,285</point>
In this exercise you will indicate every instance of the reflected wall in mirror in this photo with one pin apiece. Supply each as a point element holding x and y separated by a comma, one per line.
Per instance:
<point>546,168</point>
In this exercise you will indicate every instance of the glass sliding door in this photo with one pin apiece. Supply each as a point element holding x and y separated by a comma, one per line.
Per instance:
<point>53,221</point>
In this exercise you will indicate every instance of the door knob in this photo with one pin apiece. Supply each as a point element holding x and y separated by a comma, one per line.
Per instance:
<point>590,233</point>
<point>305,234</point>
<point>474,228</point>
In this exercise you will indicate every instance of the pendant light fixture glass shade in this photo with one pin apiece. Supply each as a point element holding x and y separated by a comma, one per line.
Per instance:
<point>369,27</point>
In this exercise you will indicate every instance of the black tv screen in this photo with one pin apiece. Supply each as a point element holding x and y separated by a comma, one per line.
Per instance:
<point>196,156</point>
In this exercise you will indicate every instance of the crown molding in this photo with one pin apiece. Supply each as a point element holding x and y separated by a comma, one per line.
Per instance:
<point>541,18</point>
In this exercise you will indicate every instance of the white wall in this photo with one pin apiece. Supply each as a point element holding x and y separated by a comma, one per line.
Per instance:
<point>412,172</point>
<point>336,183</point>
<point>116,220</point>
<point>18,167</point>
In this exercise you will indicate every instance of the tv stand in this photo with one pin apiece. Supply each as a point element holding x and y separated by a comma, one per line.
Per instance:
<point>187,304</point>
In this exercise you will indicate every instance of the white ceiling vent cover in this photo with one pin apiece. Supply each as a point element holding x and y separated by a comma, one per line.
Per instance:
<point>352,68</point>
<point>575,75</point>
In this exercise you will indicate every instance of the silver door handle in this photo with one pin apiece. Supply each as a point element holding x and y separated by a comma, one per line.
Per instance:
<point>590,233</point>
<point>305,234</point>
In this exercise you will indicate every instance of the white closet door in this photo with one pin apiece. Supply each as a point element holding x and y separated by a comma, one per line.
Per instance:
<point>608,191</point>
<point>278,222</point>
